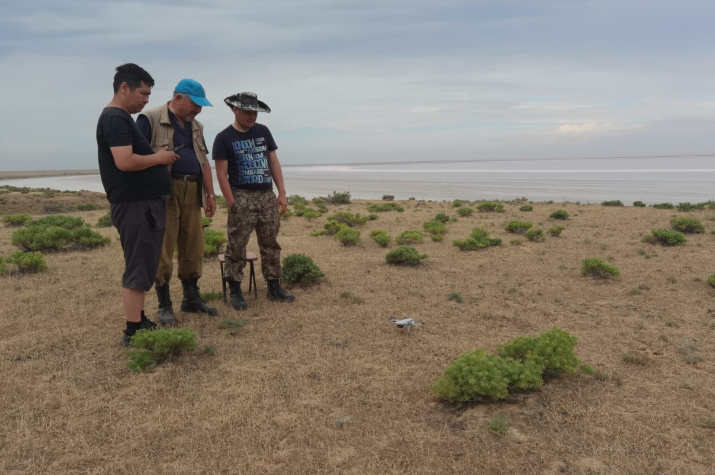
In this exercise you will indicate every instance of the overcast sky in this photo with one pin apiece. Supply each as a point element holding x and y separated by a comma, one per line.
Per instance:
<point>373,80</point>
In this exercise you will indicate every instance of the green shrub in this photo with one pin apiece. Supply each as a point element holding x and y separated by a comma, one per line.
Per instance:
<point>535,235</point>
<point>299,268</point>
<point>319,200</point>
<point>410,237</point>
<point>518,366</point>
<point>442,218</point>
<point>434,227</point>
<point>213,240</point>
<point>597,268</point>
<point>339,198</point>
<point>455,297</point>
<point>319,233</point>
<point>221,201</point>
<point>666,237</point>
<point>381,237</point>
<point>663,206</point>
<point>711,280</point>
<point>490,207</point>
<point>288,213</point>
<point>296,199</point>
<point>464,211</point>
<point>404,256</point>
<point>690,206</point>
<point>348,236</point>
<point>155,346</point>
<point>559,214</point>
<point>233,325</point>
<point>351,219</point>
<point>437,237</point>
<point>210,296</point>
<point>28,262</point>
<point>388,197</point>
<point>612,203</point>
<point>15,220</point>
<point>498,424</point>
<point>639,204</point>
<point>87,207</point>
<point>384,207</point>
<point>556,230</point>
<point>311,214</point>
<point>57,233</point>
<point>3,268</point>
<point>515,241</point>
<point>517,227</point>
<point>457,203</point>
<point>526,208</point>
<point>105,221</point>
<point>206,221</point>
<point>687,224</point>
<point>332,227</point>
<point>479,239</point>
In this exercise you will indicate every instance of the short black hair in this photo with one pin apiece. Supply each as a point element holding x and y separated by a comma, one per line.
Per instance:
<point>133,75</point>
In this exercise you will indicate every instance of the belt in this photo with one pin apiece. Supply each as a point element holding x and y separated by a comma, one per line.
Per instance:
<point>176,176</point>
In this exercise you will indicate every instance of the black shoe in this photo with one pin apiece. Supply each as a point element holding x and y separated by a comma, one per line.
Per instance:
<point>192,302</point>
<point>166,311</point>
<point>237,300</point>
<point>145,324</point>
<point>276,293</point>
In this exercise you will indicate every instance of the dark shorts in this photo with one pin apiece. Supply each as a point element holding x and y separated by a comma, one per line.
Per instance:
<point>141,231</point>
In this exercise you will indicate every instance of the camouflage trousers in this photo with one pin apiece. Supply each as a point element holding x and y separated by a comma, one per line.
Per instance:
<point>253,210</point>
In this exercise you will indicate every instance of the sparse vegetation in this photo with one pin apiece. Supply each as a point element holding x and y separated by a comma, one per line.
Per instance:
<point>526,208</point>
<point>490,207</point>
<point>300,269</point>
<point>410,237</point>
<point>687,224</point>
<point>479,239</point>
<point>535,235</point>
<point>385,207</point>
<point>16,220</point>
<point>559,214</point>
<point>338,198</point>
<point>348,236</point>
<point>612,203</point>
<point>556,231</point>
<point>666,237</point>
<point>405,256</point>
<point>388,197</point>
<point>465,211</point>
<point>381,237</point>
<point>57,233</point>
<point>351,219</point>
<point>154,347</point>
<point>663,206</point>
<point>595,267</point>
<point>638,204</point>
<point>455,297</point>
<point>213,242</point>
<point>517,227</point>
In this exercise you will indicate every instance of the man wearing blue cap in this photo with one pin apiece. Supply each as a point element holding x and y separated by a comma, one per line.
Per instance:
<point>173,125</point>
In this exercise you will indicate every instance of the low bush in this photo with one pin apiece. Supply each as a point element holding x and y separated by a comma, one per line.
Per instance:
<point>155,346</point>
<point>311,214</point>
<point>351,219</point>
<point>490,207</point>
<point>479,239</point>
<point>595,267</point>
<point>385,207</point>
<point>57,233</point>
<point>296,200</point>
<point>519,365</point>
<point>711,280</point>
<point>663,206</point>
<point>434,227</point>
<point>464,211</point>
<point>213,241</point>
<point>206,221</point>
<point>687,224</point>
<point>87,207</point>
<point>517,227</point>
<point>442,218</point>
<point>16,220</point>
<point>404,256</point>
<point>457,203</point>
<point>339,198</point>
<point>526,208</point>
<point>300,269</point>
<point>221,201</point>
<point>559,214</point>
<point>288,213</point>
<point>388,197</point>
<point>27,262</point>
<point>556,230</point>
<point>638,204</point>
<point>690,206</point>
<point>666,237</point>
<point>612,203</point>
<point>348,236</point>
<point>332,227</point>
<point>535,235</point>
<point>410,237</point>
<point>381,237</point>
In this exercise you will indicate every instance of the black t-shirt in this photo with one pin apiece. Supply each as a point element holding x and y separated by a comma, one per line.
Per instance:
<point>116,128</point>
<point>247,155</point>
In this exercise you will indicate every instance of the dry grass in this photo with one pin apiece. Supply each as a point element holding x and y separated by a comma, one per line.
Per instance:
<point>326,385</point>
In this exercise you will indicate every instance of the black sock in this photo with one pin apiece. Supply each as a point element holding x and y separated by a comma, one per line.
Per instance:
<point>132,328</point>
<point>144,319</point>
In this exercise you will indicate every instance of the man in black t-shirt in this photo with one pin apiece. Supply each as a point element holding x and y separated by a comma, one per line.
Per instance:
<point>246,167</point>
<point>136,181</point>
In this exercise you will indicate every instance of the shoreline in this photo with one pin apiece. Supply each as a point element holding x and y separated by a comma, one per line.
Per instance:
<point>10,175</point>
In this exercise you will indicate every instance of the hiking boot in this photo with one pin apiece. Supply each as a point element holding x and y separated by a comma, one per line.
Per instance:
<point>166,311</point>
<point>237,300</point>
<point>192,302</point>
<point>276,293</point>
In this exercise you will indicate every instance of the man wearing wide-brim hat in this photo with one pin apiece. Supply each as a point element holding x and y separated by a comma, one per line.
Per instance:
<point>247,166</point>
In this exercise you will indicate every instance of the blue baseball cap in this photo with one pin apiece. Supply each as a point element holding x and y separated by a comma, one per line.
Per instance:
<point>194,90</point>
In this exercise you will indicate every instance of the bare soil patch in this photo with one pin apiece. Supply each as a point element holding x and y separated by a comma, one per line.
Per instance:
<point>327,385</point>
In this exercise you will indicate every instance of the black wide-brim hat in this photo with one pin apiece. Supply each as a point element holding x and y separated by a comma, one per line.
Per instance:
<point>247,101</point>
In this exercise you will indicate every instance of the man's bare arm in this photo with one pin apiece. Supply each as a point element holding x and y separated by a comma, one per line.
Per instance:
<point>128,161</point>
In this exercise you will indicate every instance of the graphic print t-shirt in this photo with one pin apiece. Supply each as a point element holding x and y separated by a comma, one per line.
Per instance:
<point>247,155</point>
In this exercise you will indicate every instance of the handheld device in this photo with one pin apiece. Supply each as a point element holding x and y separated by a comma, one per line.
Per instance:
<point>178,148</point>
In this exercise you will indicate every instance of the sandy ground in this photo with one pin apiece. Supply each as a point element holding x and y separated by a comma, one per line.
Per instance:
<point>327,385</point>
<point>6,175</point>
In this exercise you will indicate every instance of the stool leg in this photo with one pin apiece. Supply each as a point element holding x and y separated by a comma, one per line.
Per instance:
<point>223,283</point>
<point>252,279</point>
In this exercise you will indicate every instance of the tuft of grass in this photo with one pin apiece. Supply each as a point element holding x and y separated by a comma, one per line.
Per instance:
<point>351,297</point>
<point>665,237</point>
<point>559,214</point>
<point>630,358</point>
<point>612,203</point>
<point>232,325</point>
<point>455,297</point>
<point>498,424</point>
<point>210,296</point>
<point>595,267</point>
<point>687,224</point>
